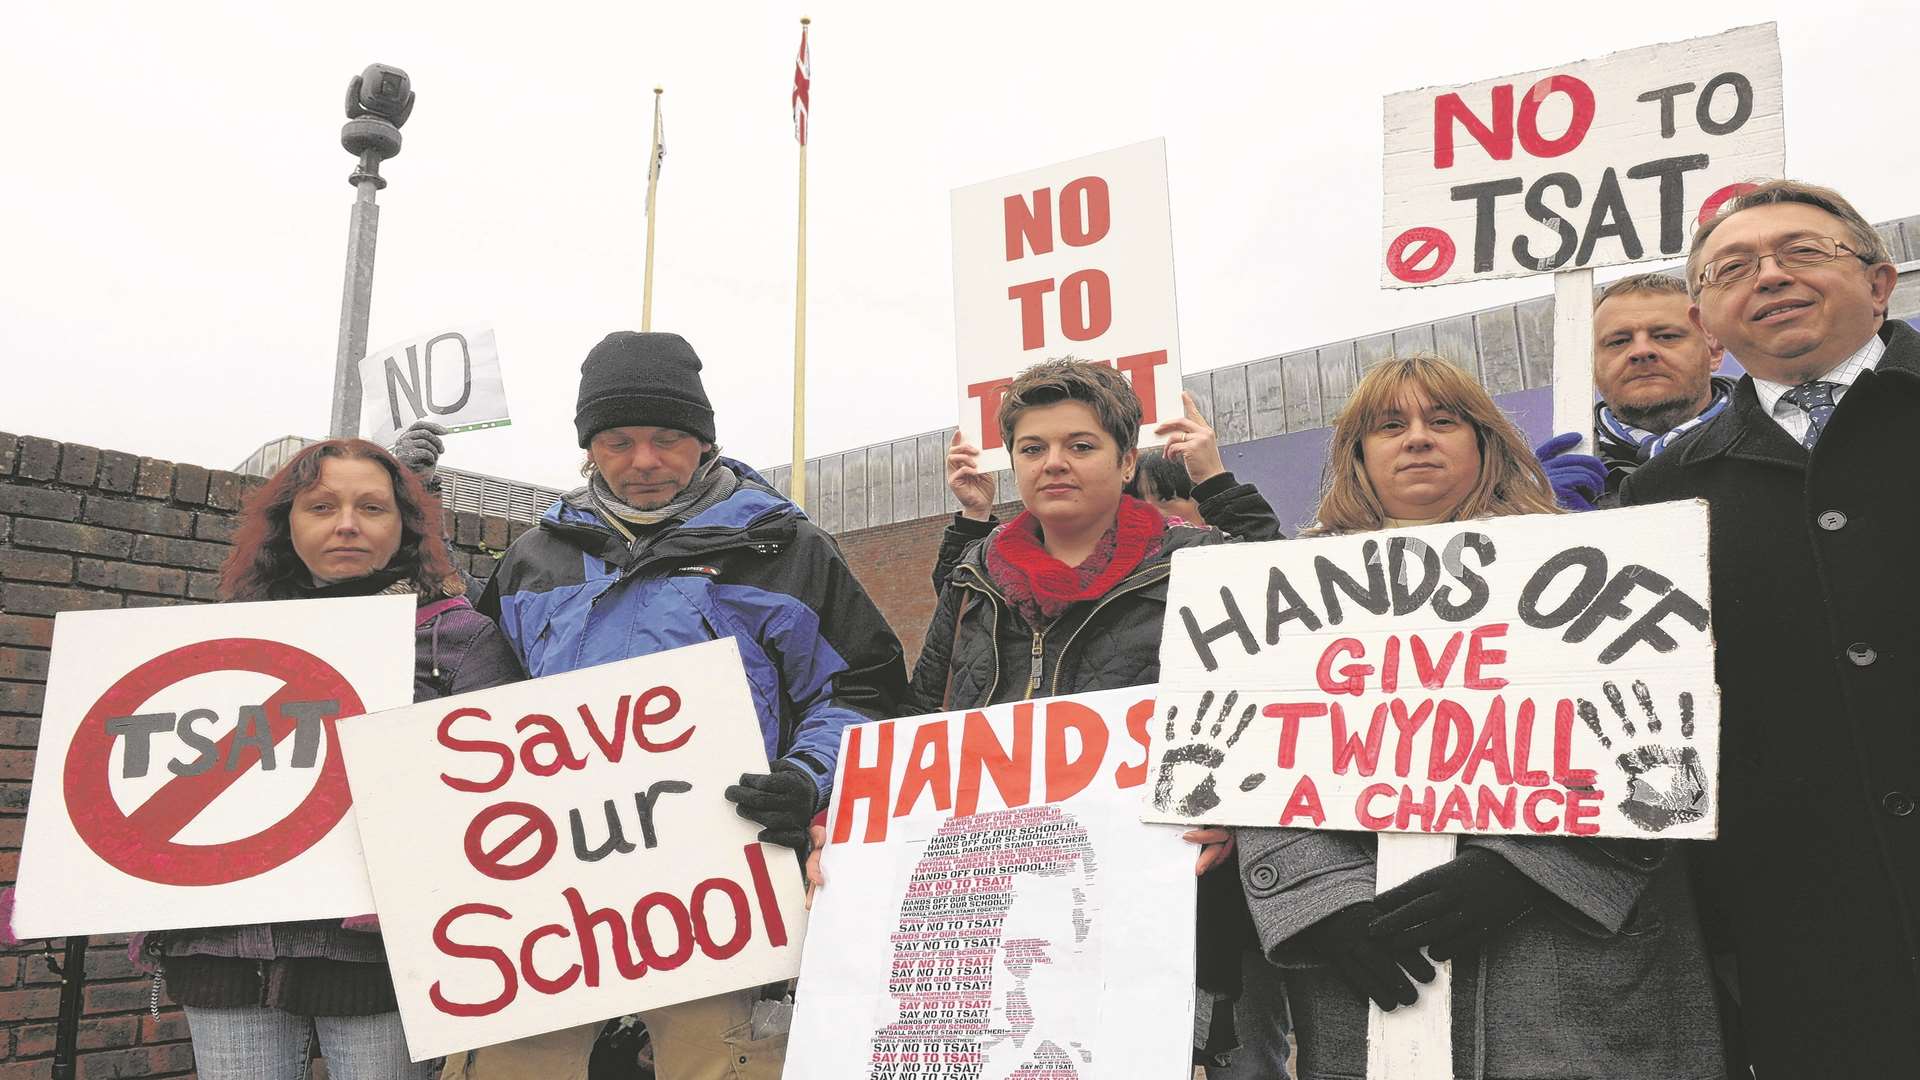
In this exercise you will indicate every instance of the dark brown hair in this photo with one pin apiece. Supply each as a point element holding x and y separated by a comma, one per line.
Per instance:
<point>1097,386</point>
<point>263,564</point>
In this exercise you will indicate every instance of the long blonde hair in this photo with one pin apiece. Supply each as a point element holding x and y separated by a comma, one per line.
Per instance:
<point>1510,481</point>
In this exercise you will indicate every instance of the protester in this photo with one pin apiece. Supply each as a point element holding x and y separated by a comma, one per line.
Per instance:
<point>1165,486</point>
<point>1654,369</point>
<point>1570,957</point>
<point>1814,880</point>
<point>1068,598</point>
<point>669,544</point>
<point>342,518</point>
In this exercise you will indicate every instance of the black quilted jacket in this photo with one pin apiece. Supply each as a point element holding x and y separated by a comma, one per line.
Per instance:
<point>979,651</point>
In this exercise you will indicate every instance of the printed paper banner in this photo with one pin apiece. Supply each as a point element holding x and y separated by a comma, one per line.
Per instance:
<point>451,378</point>
<point>559,851</point>
<point>1072,259</point>
<point>188,774</point>
<point>1547,675</point>
<point>994,906</point>
<point>1589,164</point>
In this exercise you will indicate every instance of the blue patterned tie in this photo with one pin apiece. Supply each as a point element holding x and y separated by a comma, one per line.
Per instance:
<point>1816,400</point>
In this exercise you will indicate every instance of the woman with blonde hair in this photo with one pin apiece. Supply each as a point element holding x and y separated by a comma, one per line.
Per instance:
<point>1572,957</point>
<point>1421,442</point>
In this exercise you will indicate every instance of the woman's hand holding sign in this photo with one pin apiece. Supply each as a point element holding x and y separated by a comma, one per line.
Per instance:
<point>969,484</point>
<point>1192,442</point>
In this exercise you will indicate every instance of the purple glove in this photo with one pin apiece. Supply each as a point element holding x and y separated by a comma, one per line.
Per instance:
<point>1577,479</point>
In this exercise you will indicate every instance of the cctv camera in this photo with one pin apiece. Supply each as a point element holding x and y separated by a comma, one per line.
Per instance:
<point>380,91</point>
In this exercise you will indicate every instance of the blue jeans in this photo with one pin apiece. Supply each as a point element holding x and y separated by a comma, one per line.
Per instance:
<point>1260,1019</point>
<point>258,1043</point>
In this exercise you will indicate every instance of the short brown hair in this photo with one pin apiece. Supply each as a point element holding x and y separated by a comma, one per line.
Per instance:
<point>1663,283</point>
<point>1511,480</point>
<point>1865,241</point>
<point>1098,386</point>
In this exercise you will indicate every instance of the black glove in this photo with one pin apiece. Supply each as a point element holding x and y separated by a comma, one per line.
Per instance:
<point>419,448</point>
<point>781,802</point>
<point>1455,907</point>
<point>1343,940</point>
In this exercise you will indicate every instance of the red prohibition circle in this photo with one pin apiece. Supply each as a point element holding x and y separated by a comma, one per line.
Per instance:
<point>1422,240</point>
<point>1719,198</point>
<point>141,843</point>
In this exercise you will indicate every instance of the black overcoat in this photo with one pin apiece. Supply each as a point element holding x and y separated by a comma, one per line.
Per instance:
<point>1814,883</point>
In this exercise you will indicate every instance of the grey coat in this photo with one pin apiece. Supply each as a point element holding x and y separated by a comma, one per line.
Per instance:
<point>1607,979</point>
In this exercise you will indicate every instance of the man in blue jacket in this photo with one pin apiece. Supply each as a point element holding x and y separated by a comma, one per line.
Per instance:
<point>670,544</point>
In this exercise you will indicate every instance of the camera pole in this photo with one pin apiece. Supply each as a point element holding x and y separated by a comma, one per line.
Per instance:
<point>379,100</point>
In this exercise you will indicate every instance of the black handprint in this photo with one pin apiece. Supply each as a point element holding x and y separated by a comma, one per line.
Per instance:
<point>1205,755</point>
<point>1683,796</point>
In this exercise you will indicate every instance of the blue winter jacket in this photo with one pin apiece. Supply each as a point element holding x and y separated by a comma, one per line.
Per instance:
<point>572,594</point>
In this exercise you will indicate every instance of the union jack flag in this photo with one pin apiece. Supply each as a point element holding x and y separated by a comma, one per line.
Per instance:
<point>802,80</point>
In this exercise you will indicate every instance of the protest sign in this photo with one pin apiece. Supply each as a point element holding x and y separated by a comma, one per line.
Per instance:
<point>994,906</point>
<point>560,851</point>
<point>451,378</point>
<point>1074,258</point>
<point>1588,164</point>
<point>1533,675</point>
<point>188,773</point>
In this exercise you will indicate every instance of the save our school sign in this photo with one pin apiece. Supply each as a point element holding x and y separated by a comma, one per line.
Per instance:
<point>560,851</point>
<point>1499,676</point>
<point>188,772</point>
<point>1587,164</point>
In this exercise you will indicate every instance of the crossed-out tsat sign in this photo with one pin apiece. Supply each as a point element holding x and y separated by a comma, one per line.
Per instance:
<point>141,843</point>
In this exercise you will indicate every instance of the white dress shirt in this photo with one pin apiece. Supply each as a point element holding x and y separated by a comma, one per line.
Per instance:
<point>1794,418</point>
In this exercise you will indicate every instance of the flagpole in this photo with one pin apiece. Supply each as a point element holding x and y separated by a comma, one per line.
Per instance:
<point>797,480</point>
<point>653,184</point>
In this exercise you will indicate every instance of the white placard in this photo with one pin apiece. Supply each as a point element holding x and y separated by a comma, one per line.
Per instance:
<point>560,851</point>
<point>995,907</point>
<point>1588,164</point>
<point>451,378</point>
<point>1071,259</point>
<point>1544,675</point>
<point>188,774</point>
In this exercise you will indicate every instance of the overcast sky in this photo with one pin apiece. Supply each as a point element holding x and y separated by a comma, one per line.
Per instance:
<point>176,200</point>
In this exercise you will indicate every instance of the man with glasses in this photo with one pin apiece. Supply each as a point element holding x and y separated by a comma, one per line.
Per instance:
<point>1814,884</point>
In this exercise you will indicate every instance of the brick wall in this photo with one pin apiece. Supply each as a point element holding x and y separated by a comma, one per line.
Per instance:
<point>895,564</point>
<point>86,528</point>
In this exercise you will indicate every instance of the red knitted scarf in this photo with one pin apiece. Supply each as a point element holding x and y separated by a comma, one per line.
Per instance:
<point>1040,586</point>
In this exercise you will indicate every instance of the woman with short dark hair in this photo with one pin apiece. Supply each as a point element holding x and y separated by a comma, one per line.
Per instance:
<point>342,518</point>
<point>1069,596</point>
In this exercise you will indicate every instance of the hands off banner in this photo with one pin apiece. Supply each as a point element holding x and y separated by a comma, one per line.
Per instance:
<point>1526,675</point>
<point>994,907</point>
<point>188,772</point>
<point>451,378</point>
<point>559,851</point>
<point>1075,258</point>
<point>1589,164</point>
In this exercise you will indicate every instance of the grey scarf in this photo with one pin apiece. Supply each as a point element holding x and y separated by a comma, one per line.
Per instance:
<point>712,482</point>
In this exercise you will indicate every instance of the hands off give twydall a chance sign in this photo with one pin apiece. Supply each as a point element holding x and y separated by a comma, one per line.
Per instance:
<point>1503,676</point>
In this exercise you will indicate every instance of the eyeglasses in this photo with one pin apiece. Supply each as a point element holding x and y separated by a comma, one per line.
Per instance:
<point>1806,251</point>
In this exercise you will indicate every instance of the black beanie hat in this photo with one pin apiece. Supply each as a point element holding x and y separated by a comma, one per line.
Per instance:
<point>642,380</point>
